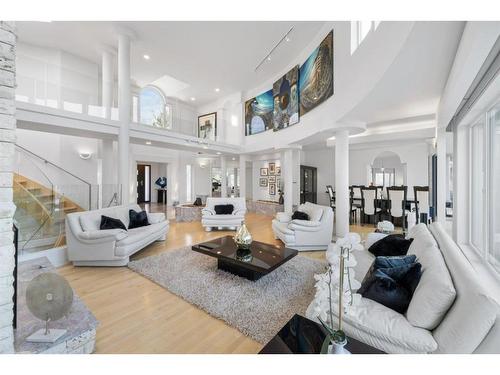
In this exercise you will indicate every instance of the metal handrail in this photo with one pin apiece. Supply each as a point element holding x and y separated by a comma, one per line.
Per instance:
<point>60,168</point>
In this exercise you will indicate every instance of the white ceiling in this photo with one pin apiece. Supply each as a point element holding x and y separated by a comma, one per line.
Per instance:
<point>204,55</point>
<point>413,84</point>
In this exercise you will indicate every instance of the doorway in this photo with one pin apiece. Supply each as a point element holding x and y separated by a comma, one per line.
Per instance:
<point>143,183</point>
<point>308,184</point>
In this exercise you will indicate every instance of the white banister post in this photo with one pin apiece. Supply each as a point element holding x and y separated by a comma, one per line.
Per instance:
<point>124,108</point>
<point>342,183</point>
<point>7,207</point>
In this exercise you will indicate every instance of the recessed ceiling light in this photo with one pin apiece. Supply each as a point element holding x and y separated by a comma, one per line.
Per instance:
<point>146,57</point>
<point>219,153</point>
<point>268,58</point>
<point>287,39</point>
<point>148,142</point>
<point>234,158</point>
<point>217,89</point>
<point>193,99</point>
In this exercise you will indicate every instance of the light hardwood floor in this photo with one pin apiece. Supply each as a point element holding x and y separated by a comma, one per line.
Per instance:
<point>139,316</point>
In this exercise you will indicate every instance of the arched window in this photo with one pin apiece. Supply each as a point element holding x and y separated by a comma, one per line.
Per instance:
<point>154,110</point>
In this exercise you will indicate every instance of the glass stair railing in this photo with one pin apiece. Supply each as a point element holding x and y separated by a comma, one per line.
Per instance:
<point>44,194</point>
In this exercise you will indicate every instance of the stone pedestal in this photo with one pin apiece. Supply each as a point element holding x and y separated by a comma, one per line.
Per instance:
<point>80,323</point>
<point>188,212</point>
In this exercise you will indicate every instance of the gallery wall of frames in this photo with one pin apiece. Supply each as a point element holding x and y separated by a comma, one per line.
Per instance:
<point>293,95</point>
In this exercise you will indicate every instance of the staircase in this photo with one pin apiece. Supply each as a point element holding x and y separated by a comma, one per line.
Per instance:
<point>40,214</point>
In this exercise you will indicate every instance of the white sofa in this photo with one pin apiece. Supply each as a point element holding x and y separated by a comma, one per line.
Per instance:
<point>90,246</point>
<point>305,235</point>
<point>210,220</point>
<point>451,310</point>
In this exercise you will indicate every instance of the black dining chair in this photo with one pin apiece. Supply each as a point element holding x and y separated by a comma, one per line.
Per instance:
<point>396,196</point>
<point>369,204</point>
<point>421,197</point>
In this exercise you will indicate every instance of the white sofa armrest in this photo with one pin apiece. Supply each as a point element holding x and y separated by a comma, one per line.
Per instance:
<point>240,211</point>
<point>156,217</point>
<point>305,225</point>
<point>207,211</point>
<point>283,217</point>
<point>102,236</point>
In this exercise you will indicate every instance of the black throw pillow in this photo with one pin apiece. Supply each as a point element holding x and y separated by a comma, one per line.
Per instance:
<point>383,289</point>
<point>392,287</point>
<point>389,262</point>
<point>137,219</point>
<point>224,209</point>
<point>391,245</point>
<point>111,223</point>
<point>299,215</point>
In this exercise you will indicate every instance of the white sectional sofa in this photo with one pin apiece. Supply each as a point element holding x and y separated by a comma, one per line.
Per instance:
<point>210,219</point>
<point>451,310</point>
<point>90,246</point>
<point>305,235</point>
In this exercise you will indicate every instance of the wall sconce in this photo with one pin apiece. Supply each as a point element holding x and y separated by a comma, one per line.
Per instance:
<point>85,155</point>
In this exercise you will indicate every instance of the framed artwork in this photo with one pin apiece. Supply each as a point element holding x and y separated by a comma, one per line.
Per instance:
<point>278,170</point>
<point>264,172</point>
<point>207,126</point>
<point>259,113</point>
<point>286,100</point>
<point>272,179</point>
<point>278,183</point>
<point>263,182</point>
<point>272,189</point>
<point>316,76</point>
<point>272,168</point>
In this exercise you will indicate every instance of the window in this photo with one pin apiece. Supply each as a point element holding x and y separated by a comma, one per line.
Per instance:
<point>383,176</point>
<point>360,30</point>
<point>154,110</point>
<point>484,183</point>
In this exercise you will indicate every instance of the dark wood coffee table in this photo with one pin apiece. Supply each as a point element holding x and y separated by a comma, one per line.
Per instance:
<point>251,264</point>
<point>303,336</point>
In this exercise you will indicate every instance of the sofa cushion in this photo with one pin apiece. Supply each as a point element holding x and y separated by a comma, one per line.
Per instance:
<point>315,212</point>
<point>137,219</point>
<point>90,221</point>
<point>139,237</point>
<point>435,292</point>
<point>470,321</point>
<point>223,209</point>
<point>385,329</point>
<point>222,218</point>
<point>391,245</point>
<point>111,223</point>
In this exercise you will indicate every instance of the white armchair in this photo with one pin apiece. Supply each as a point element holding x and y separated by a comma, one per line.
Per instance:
<point>210,219</point>
<point>305,235</point>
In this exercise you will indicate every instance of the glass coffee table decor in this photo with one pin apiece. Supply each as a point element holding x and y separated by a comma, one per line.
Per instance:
<point>252,263</point>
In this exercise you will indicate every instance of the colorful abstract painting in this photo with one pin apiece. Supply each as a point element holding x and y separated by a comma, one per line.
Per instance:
<point>286,100</point>
<point>316,76</point>
<point>259,113</point>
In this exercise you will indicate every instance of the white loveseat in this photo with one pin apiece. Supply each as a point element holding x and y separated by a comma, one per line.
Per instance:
<point>304,235</point>
<point>90,246</point>
<point>451,310</point>
<point>210,219</point>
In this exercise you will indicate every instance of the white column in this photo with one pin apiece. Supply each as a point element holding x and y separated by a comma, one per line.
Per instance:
<point>287,184</point>
<point>7,207</point>
<point>342,183</point>
<point>223,174</point>
<point>441,175</point>
<point>124,101</point>
<point>243,176</point>
<point>107,82</point>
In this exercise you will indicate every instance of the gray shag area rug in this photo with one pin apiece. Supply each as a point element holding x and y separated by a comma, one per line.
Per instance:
<point>258,309</point>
